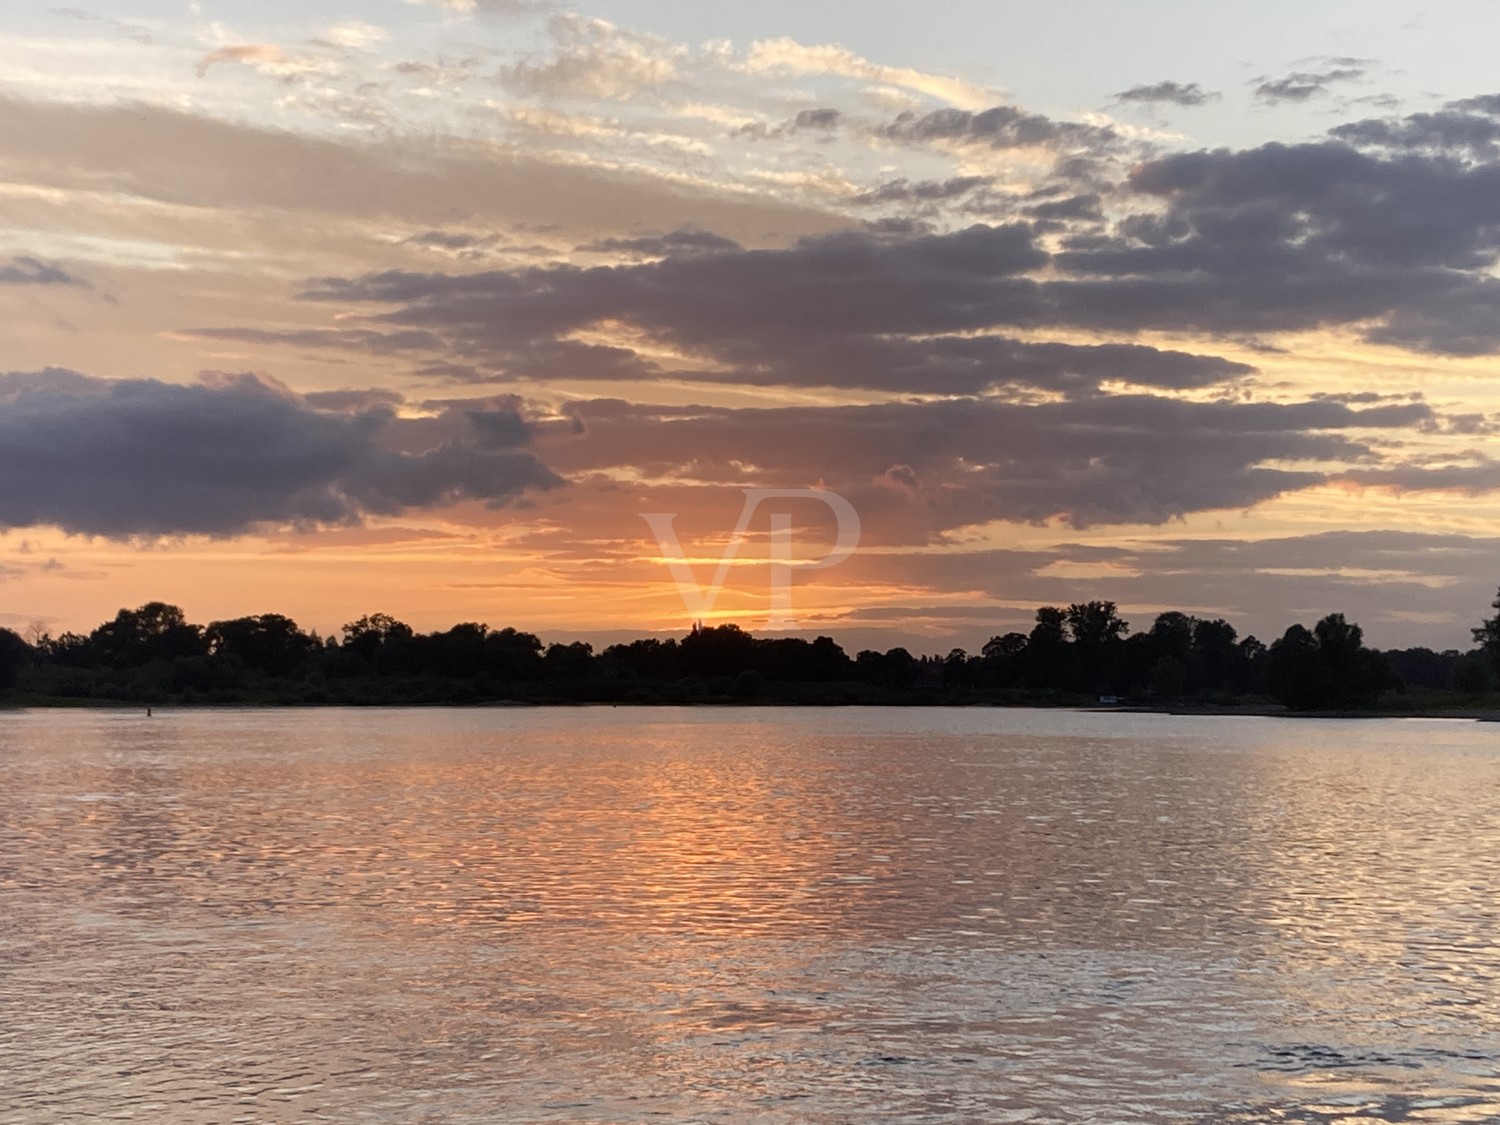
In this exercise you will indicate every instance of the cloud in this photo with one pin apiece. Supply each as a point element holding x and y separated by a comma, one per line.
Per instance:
<point>1469,475</point>
<point>908,192</point>
<point>412,183</point>
<point>1466,129</point>
<point>594,60</point>
<point>1398,245</point>
<point>351,339</point>
<point>1304,85</point>
<point>686,241</point>
<point>460,244</point>
<point>998,127</point>
<point>257,55</point>
<point>1086,208</point>
<point>25,270</point>
<point>356,35</point>
<point>905,314</point>
<point>787,56</point>
<point>1188,95</point>
<point>1394,242</point>
<point>822,118</point>
<point>1119,459</point>
<point>137,457</point>
<point>484,7</point>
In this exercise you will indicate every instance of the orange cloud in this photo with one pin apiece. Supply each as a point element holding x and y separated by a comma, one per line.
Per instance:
<point>255,55</point>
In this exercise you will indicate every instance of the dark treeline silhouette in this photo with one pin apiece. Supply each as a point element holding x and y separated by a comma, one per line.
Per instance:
<point>1072,655</point>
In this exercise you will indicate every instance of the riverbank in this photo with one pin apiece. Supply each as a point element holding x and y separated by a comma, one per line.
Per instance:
<point>1485,714</point>
<point>1487,711</point>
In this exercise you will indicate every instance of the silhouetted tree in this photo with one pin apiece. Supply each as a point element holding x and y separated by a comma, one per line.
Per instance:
<point>569,662</point>
<point>1487,634</point>
<point>71,650</point>
<point>1295,677</point>
<point>268,643</point>
<point>1327,667</point>
<point>1168,677</point>
<point>1046,648</point>
<point>155,631</point>
<point>1003,660</point>
<point>15,654</point>
<point>1096,629</point>
<point>1472,675</point>
<point>896,668</point>
<point>375,631</point>
<point>1172,635</point>
<point>793,660</point>
<point>1423,668</point>
<point>1254,658</point>
<point>959,671</point>
<point>1217,657</point>
<point>1096,623</point>
<point>153,652</point>
<point>712,651</point>
<point>460,651</point>
<point>648,659</point>
<point>514,655</point>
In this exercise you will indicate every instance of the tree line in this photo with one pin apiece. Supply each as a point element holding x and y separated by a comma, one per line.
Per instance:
<point>1071,654</point>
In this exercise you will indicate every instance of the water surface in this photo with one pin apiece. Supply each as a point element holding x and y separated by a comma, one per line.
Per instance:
<point>664,915</point>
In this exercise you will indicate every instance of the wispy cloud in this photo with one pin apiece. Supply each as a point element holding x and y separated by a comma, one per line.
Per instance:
<point>25,270</point>
<point>594,59</point>
<point>1304,85</point>
<point>787,56</point>
<point>1187,95</point>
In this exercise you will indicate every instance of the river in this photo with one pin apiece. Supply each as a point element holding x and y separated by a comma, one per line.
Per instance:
<point>747,915</point>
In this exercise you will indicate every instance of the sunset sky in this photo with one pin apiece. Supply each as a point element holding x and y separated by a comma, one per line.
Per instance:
<point>383,305</point>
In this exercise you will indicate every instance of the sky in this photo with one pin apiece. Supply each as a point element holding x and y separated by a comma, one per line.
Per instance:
<point>420,306</point>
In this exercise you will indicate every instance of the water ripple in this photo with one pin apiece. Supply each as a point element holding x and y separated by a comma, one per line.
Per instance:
<point>746,916</point>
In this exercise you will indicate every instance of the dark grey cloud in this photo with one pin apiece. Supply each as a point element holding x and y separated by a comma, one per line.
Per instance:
<point>685,241</point>
<point>910,192</point>
<point>458,243</point>
<point>353,400</point>
<point>26,270</point>
<point>964,365</point>
<point>1087,207</point>
<point>1390,228</point>
<point>1473,475</point>
<point>1467,129</point>
<point>821,119</point>
<point>1304,85</point>
<point>1187,95</point>
<point>1000,127</point>
<point>1289,237</point>
<point>367,340</point>
<point>859,309</point>
<point>138,457</point>
<point>848,282</point>
<point>448,240</point>
<point>918,470</point>
<point>1442,131</point>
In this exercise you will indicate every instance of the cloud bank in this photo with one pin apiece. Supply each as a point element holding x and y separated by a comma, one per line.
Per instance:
<point>125,458</point>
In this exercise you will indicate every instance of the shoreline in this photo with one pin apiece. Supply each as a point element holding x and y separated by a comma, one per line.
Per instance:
<point>1246,710</point>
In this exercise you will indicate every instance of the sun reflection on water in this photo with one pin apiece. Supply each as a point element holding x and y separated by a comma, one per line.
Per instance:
<point>748,915</point>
